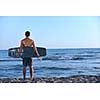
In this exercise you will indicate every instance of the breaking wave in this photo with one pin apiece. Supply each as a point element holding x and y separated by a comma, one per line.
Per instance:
<point>63,58</point>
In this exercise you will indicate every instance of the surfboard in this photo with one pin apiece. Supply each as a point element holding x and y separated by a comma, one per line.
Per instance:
<point>26,52</point>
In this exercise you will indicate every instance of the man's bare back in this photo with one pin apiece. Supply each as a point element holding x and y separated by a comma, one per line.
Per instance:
<point>27,42</point>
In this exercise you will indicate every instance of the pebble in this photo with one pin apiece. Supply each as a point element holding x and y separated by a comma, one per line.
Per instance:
<point>72,79</point>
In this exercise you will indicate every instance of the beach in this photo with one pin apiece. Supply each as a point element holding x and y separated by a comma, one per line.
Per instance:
<point>72,79</point>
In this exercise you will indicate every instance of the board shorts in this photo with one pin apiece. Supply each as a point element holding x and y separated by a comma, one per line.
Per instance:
<point>27,62</point>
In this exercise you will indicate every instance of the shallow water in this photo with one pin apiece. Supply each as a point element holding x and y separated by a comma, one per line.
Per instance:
<point>57,63</point>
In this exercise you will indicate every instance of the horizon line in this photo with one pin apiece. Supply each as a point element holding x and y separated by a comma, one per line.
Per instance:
<point>68,48</point>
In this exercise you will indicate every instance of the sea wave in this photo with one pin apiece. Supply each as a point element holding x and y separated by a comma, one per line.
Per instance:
<point>53,68</point>
<point>62,58</point>
<point>9,60</point>
<point>58,58</point>
<point>84,56</point>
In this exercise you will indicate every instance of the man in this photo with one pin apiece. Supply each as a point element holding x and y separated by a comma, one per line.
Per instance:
<point>27,42</point>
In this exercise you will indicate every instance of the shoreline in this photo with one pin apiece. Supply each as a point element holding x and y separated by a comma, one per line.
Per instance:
<point>72,79</point>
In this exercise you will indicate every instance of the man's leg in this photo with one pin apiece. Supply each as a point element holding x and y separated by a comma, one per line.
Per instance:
<point>31,72</point>
<point>31,68</point>
<point>24,73</point>
<point>24,67</point>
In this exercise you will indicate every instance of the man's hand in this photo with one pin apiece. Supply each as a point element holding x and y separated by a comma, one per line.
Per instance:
<point>38,56</point>
<point>18,55</point>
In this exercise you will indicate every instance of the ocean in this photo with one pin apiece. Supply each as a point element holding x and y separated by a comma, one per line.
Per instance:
<point>57,63</point>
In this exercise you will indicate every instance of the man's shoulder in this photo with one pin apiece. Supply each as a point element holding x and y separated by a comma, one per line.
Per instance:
<point>23,39</point>
<point>31,40</point>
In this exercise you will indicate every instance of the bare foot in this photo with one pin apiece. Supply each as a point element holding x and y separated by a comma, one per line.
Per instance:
<point>31,79</point>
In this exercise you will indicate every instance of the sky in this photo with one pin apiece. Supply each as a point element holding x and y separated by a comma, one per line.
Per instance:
<point>51,31</point>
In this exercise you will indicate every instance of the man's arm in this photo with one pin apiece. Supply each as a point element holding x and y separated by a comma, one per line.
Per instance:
<point>35,49</point>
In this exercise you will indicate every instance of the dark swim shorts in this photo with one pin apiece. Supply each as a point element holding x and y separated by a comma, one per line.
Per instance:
<point>27,61</point>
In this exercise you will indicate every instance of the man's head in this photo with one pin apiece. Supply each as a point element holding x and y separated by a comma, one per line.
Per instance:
<point>27,33</point>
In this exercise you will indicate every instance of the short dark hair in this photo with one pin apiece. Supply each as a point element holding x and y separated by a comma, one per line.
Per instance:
<point>27,33</point>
